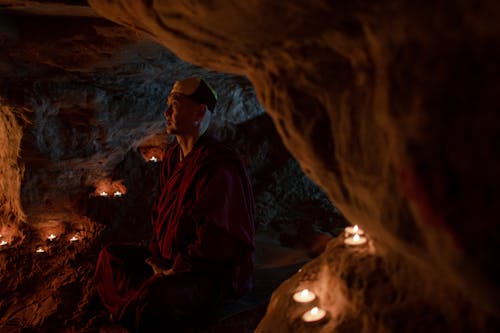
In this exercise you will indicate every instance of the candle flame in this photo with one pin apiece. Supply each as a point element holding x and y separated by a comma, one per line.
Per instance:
<point>51,237</point>
<point>304,293</point>
<point>104,194</point>
<point>3,243</point>
<point>118,194</point>
<point>314,310</point>
<point>356,238</point>
<point>153,159</point>
<point>40,250</point>
<point>74,238</point>
<point>355,228</point>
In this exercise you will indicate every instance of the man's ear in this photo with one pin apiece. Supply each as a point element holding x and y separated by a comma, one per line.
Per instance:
<point>201,112</point>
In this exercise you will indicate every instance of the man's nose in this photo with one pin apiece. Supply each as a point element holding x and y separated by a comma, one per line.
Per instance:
<point>168,111</point>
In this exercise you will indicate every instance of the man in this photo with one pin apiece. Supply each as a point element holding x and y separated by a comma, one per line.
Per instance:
<point>203,227</point>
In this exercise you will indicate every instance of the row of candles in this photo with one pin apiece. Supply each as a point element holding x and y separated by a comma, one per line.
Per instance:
<point>354,236</point>
<point>51,237</point>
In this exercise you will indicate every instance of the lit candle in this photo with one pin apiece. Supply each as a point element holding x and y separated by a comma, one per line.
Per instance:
<point>74,239</point>
<point>40,250</point>
<point>313,315</point>
<point>104,194</point>
<point>304,296</point>
<point>2,243</point>
<point>153,159</point>
<point>51,237</point>
<point>350,231</point>
<point>118,194</point>
<point>355,240</point>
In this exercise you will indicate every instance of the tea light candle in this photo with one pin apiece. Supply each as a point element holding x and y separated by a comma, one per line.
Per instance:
<point>355,240</point>
<point>74,239</point>
<point>350,231</point>
<point>2,243</point>
<point>153,159</point>
<point>314,315</point>
<point>304,296</point>
<point>40,250</point>
<point>117,194</point>
<point>103,194</point>
<point>51,237</point>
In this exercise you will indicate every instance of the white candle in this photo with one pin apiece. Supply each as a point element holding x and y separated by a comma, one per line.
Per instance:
<point>40,250</point>
<point>51,237</point>
<point>118,194</point>
<point>350,231</point>
<point>104,194</point>
<point>313,315</point>
<point>355,240</point>
<point>304,296</point>
<point>153,159</point>
<point>74,239</point>
<point>3,243</point>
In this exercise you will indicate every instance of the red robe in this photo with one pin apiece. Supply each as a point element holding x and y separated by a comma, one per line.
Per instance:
<point>203,225</point>
<point>204,216</point>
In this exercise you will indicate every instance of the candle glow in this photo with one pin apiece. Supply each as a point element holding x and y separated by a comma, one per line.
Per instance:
<point>304,296</point>
<point>313,315</point>
<point>350,231</point>
<point>51,237</point>
<point>103,194</point>
<point>355,240</point>
<point>74,239</point>
<point>40,250</point>
<point>153,159</point>
<point>3,243</point>
<point>117,194</point>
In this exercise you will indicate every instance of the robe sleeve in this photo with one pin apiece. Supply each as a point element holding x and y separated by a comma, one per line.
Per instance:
<point>223,222</point>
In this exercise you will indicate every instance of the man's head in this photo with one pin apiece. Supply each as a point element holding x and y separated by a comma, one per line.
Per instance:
<point>188,107</point>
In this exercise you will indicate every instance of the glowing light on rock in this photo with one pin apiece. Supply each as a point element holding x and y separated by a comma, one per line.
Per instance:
<point>74,239</point>
<point>314,315</point>
<point>40,250</point>
<point>153,159</point>
<point>2,243</point>
<point>304,296</point>
<point>103,194</point>
<point>118,194</point>
<point>355,240</point>
<point>51,237</point>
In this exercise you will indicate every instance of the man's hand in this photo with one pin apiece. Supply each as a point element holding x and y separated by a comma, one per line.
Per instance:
<point>158,267</point>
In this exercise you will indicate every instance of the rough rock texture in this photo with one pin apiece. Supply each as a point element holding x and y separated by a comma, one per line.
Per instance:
<point>87,98</point>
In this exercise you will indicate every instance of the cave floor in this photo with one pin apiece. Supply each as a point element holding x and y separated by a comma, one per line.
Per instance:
<point>53,291</point>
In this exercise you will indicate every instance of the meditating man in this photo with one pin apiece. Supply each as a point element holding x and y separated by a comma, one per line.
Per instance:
<point>203,227</point>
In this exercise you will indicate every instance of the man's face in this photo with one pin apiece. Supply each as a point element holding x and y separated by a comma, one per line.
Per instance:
<point>181,113</point>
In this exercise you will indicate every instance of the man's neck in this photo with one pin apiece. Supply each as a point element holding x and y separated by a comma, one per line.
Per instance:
<point>186,142</point>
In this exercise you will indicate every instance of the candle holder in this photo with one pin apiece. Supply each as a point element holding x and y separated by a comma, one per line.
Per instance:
<point>314,316</point>
<point>351,231</point>
<point>355,240</point>
<point>304,296</point>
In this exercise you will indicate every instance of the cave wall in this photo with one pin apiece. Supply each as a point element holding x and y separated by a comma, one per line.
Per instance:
<point>11,171</point>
